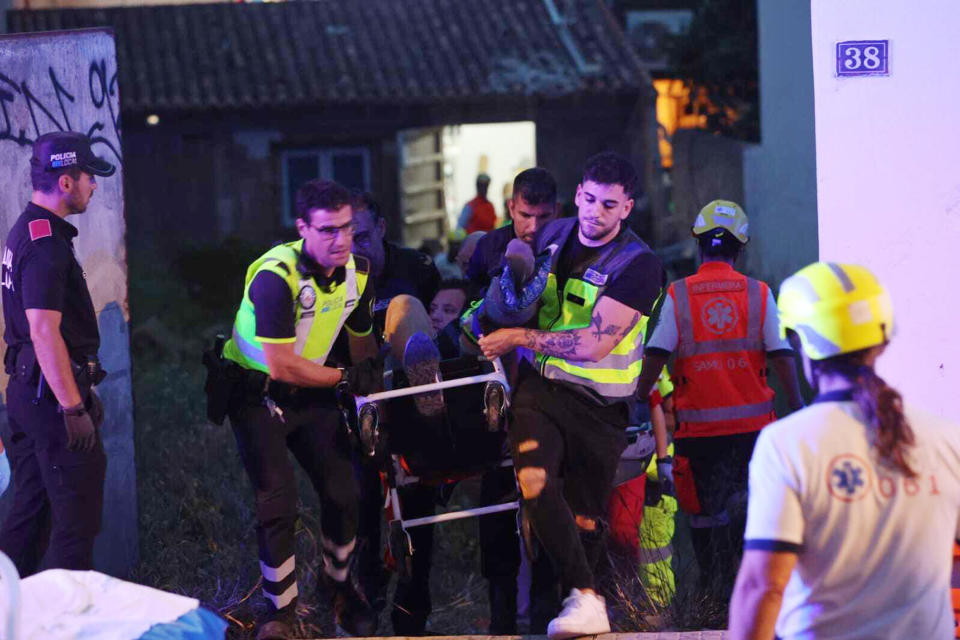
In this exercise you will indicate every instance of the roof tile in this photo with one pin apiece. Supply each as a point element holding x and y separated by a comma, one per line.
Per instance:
<point>328,52</point>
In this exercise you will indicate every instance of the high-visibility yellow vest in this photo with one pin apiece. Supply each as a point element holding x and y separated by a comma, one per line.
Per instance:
<point>614,377</point>
<point>319,311</point>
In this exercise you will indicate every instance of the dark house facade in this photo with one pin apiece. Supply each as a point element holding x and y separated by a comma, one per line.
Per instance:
<point>227,108</point>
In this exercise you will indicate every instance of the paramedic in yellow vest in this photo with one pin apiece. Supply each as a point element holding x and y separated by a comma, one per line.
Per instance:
<point>296,299</point>
<point>570,408</point>
<point>723,327</point>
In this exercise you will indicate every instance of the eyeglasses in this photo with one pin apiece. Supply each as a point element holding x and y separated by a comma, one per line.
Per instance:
<point>331,233</point>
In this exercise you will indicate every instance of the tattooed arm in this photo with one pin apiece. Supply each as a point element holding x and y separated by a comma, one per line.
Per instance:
<point>611,322</point>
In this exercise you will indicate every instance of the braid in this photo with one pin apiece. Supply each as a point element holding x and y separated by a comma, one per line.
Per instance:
<point>882,408</point>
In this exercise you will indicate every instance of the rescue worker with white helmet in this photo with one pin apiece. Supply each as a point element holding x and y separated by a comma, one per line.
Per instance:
<point>723,327</point>
<point>854,501</point>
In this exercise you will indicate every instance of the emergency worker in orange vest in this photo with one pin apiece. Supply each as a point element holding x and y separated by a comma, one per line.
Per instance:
<point>723,327</point>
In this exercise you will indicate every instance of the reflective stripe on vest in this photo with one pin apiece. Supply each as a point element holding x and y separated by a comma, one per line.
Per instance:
<point>720,355</point>
<point>690,347</point>
<point>615,376</point>
<point>313,337</point>
<point>738,412</point>
<point>655,554</point>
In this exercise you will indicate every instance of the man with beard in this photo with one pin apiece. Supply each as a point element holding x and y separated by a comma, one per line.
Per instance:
<point>569,412</point>
<point>52,342</point>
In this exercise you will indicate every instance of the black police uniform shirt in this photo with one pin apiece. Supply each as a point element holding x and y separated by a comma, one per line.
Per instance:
<point>405,271</point>
<point>274,311</point>
<point>486,263</point>
<point>40,271</point>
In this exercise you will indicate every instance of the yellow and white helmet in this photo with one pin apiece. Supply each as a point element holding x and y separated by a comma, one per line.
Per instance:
<point>835,309</point>
<point>723,214</point>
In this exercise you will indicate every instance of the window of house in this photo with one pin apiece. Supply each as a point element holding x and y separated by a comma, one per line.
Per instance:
<point>350,166</point>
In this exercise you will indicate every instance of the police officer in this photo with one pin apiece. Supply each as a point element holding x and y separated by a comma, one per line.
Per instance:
<point>52,342</point>
<point>296,299</point>
<point>570,413</point>
<point>723,326</point>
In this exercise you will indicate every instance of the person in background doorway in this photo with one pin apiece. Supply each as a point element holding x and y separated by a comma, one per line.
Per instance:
<point>478,214</point>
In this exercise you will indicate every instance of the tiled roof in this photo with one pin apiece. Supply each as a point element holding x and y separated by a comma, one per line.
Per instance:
<point>342,52</point>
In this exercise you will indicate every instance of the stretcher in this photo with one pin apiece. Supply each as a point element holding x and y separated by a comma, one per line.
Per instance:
<point>467,440</point>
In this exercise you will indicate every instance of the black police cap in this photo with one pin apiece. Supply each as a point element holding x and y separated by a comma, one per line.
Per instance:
<point>64,149</point>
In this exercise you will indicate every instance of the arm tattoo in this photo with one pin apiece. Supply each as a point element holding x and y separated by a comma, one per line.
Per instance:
<point>562,344</point>
<point>599,330</point>
<point>629,327</point>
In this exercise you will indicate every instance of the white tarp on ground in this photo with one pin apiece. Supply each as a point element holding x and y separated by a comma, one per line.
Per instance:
<point>64,605</point>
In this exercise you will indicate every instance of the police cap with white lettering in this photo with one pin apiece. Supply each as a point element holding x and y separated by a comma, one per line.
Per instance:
<point>62,150</point>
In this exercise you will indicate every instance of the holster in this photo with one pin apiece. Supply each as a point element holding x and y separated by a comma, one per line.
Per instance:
<point>219,386</point>
<point>20,363</point>
<point>685,485</point>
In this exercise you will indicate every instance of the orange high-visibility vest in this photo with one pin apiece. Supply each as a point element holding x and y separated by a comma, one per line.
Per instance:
<point>720,371</point>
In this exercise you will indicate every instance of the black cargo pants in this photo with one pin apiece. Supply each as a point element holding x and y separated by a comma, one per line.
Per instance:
<point>311,429</point>
<point>57,493</point>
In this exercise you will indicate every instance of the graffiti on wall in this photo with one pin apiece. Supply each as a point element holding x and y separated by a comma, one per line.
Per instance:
<point>24,116</point>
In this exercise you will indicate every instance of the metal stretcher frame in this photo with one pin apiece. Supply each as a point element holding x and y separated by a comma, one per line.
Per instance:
<point>401,478</point>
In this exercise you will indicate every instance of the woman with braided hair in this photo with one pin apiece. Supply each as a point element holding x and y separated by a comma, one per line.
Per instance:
<point>854,501</point>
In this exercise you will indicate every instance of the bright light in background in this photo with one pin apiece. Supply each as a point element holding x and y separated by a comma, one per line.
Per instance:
<point>673,98</point>
<point>500,150</point>
<point>153,119</point>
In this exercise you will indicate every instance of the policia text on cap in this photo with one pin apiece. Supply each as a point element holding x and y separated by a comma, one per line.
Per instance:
<point>51,358</point>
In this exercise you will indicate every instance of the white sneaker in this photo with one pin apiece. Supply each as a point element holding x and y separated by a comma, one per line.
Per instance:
<point>584,614</point>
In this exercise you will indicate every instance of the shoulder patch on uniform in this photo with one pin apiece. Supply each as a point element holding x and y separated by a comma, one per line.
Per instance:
<point>361,263</point>
<point>39,229</point>
<point>427,260</point>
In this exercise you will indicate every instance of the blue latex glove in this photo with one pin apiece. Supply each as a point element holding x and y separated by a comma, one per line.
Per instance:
<point>4,472</point>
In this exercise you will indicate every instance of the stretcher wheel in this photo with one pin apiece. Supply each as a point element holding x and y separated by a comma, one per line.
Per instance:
<point>401,549</point>
<point>369,428</point>
<point>494,406</point>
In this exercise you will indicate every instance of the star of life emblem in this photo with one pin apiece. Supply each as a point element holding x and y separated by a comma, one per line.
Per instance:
<point>720,315</point>
<point>848,478</point>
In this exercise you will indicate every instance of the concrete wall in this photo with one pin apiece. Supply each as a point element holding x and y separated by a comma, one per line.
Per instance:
<point>888,178</point>
<point>780,173</point>
<point>67,81</point>
<point>706,167</point>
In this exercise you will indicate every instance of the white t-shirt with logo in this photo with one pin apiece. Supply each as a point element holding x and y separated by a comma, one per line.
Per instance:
<point>874,547</point>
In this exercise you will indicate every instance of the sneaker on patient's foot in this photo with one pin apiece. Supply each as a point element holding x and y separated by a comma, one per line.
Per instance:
<point>421,361</point>
<point>584,614</point>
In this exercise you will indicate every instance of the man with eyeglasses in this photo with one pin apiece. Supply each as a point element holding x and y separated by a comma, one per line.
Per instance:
<point>297,298</point>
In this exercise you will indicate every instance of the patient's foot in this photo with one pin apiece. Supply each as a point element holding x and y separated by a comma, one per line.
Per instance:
<point>421,361</point>
<point>519,259</point>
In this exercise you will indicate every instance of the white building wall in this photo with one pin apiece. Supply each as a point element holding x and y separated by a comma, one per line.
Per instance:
<point>888,178</point>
